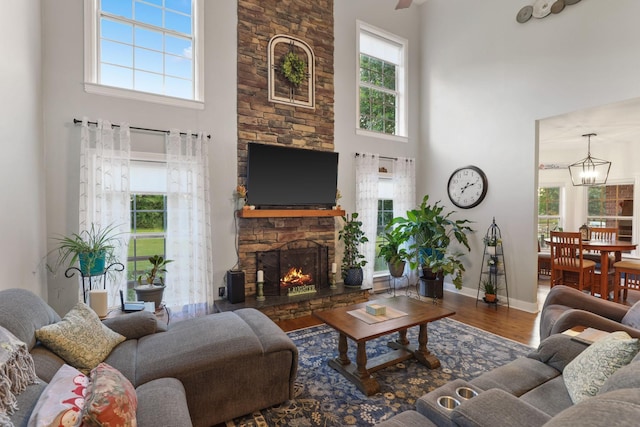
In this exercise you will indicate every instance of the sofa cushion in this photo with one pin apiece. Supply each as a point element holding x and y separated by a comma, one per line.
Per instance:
<point>80,338</point>
<point>590,369</point>
<point>620,408</point>
<point>557,351</point>
<point>551,397</point>
<point>163,402</point>
<point>632,318</point>
<point>62,400</point>
<point>407,419</point>
<point>24,323</point>
<point>517,377</point>
<point>111,399</point>
<point>625,377</point>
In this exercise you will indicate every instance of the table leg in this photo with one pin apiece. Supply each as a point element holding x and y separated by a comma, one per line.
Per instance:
<point>342,350</point>
<point>423,354</point>
<point>402,337</point>
<point>604,274</point>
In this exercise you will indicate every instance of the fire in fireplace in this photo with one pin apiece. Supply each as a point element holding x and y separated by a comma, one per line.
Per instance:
<point>297,267</point>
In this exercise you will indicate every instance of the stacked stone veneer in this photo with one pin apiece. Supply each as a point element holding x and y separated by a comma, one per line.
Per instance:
<point>272,123</point>
<point>305,308</point>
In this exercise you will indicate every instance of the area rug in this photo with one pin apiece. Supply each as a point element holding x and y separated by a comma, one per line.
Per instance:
<point>325,398</point>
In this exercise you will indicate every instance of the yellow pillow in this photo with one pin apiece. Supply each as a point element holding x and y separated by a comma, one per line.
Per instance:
<point>80,338</point>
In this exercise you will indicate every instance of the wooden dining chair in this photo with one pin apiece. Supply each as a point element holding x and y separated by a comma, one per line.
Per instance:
<point>627,276</point>
<point>568,266</point>
<point>544,262</point>
<point>606,234</point>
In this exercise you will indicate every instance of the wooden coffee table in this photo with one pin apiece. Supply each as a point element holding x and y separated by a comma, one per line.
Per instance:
<point>418,313</point>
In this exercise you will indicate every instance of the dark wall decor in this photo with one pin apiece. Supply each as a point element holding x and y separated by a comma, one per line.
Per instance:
<point>261,120</point>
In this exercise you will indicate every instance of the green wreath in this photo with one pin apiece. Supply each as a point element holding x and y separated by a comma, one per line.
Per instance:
<point>293,69</point>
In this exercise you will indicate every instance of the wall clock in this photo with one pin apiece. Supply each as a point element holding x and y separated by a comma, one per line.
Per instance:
<point>467,187</point>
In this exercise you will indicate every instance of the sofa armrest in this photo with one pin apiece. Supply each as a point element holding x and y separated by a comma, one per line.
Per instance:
<point>133,325</point>
<point>569,297</point>
<point>162,402</point>
<point>557,351</point>
<point>574,317</point>
<point>495,408</point>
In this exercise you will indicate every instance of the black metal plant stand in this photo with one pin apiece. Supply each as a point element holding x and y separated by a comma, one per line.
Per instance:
<point>494,267</point>
<point>90,280</point>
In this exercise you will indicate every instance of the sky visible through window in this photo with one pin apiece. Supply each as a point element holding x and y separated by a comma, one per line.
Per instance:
<point>147,46</point>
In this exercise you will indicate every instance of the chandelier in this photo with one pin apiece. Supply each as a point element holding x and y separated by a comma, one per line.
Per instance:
<point>589,171</point>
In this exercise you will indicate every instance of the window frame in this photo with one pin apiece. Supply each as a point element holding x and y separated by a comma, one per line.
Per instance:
<point>401,83</point>
<point>561,205</point>
<point>617,218</point>
<point>92,39</point>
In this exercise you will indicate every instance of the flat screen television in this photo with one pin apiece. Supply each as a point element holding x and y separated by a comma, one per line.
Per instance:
<point>280,176</point>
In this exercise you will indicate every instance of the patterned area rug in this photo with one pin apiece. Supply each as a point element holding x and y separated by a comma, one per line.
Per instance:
<point>325,398</point>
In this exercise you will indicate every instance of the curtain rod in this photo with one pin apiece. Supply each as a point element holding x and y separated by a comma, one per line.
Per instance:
<point>76,121</point>
<point>385,157</point>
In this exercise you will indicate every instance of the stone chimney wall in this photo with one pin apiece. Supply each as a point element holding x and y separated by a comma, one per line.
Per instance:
<point>273,123</point>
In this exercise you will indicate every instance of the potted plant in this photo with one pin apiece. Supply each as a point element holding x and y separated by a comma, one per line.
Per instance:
<point>490,290</point>
<point>151,284</point>
<point>392,252</point>
<point>491,242</point>
<point>94,248</point>
<point>433,231</point>
<point>492,262</point>
<point>352,260</point>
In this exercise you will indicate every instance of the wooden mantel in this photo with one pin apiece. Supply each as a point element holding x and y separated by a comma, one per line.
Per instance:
<point>288,213</point>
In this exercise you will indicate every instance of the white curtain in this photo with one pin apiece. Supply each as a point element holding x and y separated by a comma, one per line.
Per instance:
<point>367,208</point>
<point>104,190</point>
<point>190,277</point>
<point>404,194</point>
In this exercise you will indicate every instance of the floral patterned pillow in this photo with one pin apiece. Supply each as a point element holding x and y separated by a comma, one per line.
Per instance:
<point>111,399</point>
<point>61,402</point>
<point>80,338</point>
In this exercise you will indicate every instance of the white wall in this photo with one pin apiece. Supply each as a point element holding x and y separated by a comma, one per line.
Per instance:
<point>65,99</point>
<point>22,217</point>
<point>487,79</point>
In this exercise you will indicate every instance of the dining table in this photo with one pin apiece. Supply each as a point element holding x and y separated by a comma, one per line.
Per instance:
<point>605,247</point>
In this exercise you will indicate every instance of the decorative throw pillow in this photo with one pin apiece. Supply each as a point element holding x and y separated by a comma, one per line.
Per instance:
<point>80,338</point>
<point>61,402</point>
<point>632,318</point>
<point>111,399</point>
<point>585,374</point>
<point>17,371</point>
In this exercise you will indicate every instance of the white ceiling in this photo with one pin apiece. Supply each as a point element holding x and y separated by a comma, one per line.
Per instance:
<point>613,123</point>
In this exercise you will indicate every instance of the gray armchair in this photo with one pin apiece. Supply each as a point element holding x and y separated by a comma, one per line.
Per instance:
<point>566,307</point>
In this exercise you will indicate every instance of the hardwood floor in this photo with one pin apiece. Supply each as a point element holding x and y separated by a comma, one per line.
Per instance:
<point>510,323</point>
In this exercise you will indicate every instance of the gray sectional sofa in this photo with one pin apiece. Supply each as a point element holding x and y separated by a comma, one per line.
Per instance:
<point>200,372</point>
<point>531,391</point>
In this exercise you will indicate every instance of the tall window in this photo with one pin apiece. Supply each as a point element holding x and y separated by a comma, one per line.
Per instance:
<point>385,215</point>
<point>148,232</point>
<point>382,82</point>
<point>549,219</point>
<point>146,46</point>
<point>611,206</point>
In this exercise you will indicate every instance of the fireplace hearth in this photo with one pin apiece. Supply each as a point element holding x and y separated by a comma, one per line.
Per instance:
<point>295,268</point>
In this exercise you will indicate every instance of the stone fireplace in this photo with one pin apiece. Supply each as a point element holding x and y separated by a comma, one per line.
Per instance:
<point>297,267</point>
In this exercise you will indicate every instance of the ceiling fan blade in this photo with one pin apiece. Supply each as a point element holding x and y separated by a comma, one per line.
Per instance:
<point>403,4</point>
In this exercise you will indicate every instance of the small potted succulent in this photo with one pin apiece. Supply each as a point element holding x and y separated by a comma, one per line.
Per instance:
<point>151,284</point>
<point>490,290</point>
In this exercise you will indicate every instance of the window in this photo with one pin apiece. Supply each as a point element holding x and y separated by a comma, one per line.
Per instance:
<point>385,215</point>
<point>382,82</point>
<point>611,206</point>
<point>144,49</point>
<point>148,227</point>
<point>549,219</point>
<point>148,183</point>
